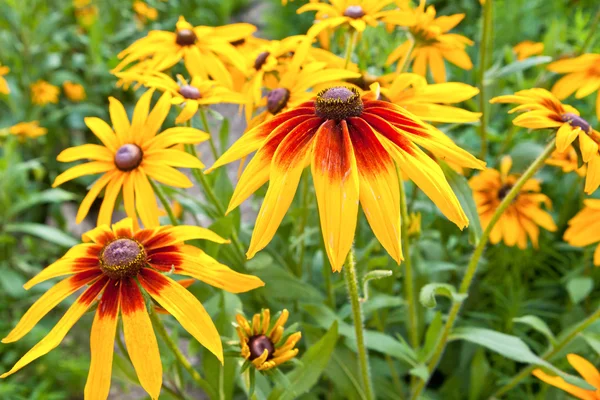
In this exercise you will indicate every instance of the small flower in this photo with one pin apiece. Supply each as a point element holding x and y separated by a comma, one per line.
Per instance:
<point>585,369</point>
<point>4,89</point>
<point>43,93</point>
<point>266,346</point>
<point>522,218</point>
<point>27,129</point>
<point>114,268</point>
<point>567,160</point>
<point>527,48</point>
<point>584,228</point>
<point>74,91</point>
<point>144,12</point>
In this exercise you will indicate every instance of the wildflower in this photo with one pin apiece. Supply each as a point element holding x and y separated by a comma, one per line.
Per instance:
<point>585,369</point>
<point>27,129</point>
<point>130,155</point>
<point>264,345</point>
<point>527,48</point>
<point>144,12</point>
<point>4,89</point>
<point>74,91</point>
<point>522,218</point>
<point>583,76</point>
<point>43,93</point>
<point>541,109</point>
<point>431,44</point>
<point>584,227</point>
<point>86,13</point>
<point>352,144</point>
<point>567,160</point>
<point>110,264</point>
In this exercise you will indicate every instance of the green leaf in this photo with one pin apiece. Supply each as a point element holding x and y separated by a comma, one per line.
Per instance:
<point>537,324</point>
<point>593,340</point>
<point>431,337</point>
<point>420,371</point>
<point>579,288</point>
<point>480,369</point>
<point>282,285</point>
<point>429,291</point>
<point>47,196</point>
<point>49,233</point>
<point>493,74</point>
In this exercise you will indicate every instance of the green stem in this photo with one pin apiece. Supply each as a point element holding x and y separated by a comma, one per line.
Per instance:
<point>483,53</point>
<point>160,328</point>
<point>302,225</point>
<point>357,317</point>
<point>550,353</point>
<point>406,61</point>
<point>474,262</point>
<point>165,203</point>
<point>591,33</point>
<point>350,47</point>
<point>213,148</point>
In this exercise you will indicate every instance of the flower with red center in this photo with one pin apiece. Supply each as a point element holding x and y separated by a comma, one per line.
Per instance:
<point>115,267</point>
<point>353,145</point>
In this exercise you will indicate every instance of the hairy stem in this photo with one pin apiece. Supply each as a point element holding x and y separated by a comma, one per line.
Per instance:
<point>486,32</point>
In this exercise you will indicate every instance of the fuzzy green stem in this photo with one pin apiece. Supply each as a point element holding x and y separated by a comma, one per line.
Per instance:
<point>357,317</point>
<point>486,32</point>
<point>165,203</point>
<point>213,148</point>
<point>406,60</point>
<point>474,262</point>
<point>350,47</point>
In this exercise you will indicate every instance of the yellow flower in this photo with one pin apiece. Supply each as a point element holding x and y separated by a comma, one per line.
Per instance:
<point>432,44</point>
<point>585,369</point>
<point>144,12</point>
<point>115,268</point>
<point>43,93</point>
<point>352,144</point>
<point>266,346</point>
<point>584,228</point>
<point>567,160</point>
<point>81,3</point>
<point>130,155</point>
<point>4,89</point>
<point>583,75</point>
<point>542,110</point>
<point>86,15</point>
<point>522,218</point>
<point>527,48</point>
<point>27,129</point>
<point>74,91</point>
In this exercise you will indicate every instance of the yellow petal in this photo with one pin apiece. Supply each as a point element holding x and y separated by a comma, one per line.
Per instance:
<point>91,151</point>
<point>95,190</point>
<point>565,136</point>
<point>119,119</point>
<point>94,167</point>
<point>157,117</point>
<point>173,158</point>
<point>145,200</point>
<point>166,175</point>
<point>567,387</point>
<point>103,132</point>
<point>110,197</point>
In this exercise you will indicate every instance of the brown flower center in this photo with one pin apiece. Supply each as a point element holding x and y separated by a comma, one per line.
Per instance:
<point>122,258</point>
<point>504,190</point>
<point>190,92</point>
<point>260,60</point>
<point>277,100</point>
<point>338,103</point>
<point>576,121</point>
<point>186,37</point>
<point>354,12</point>
<point>258,344</point>
<point>128,157</point>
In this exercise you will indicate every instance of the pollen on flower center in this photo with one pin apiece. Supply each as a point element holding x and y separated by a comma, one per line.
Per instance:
<point>354,12</point>
<point>504,190</point>
<point>122,258</point>
<point>577,121</point>
<point>258,344</point>
<point>186,37</point>
<point>277,100</point>
<point>260,60</point>
<point>128,157</point>
<point>190,92</point>
<point>338,103</point>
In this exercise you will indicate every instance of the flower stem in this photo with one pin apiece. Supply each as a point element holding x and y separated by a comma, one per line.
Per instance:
<point>165,203</point>
<point>357,317</point>
<point>302,225</point>
<point>350,47</point>
<point>486,32</point>
<point>213,148</point>
<point>474,262</point>
<point>406,60</point>
<point>591,33</point>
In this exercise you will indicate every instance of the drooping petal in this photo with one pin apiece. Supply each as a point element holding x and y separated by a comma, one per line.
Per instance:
<point>567,387</point>
<point>110,197</point>
<point>145,201</point>
<point>93,193</point>
<point>565,136</point>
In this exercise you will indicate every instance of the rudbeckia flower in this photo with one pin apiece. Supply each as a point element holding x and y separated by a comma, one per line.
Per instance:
<point>74,91</point>
<point>4,89</point>
<point>584,228</point>
<point>583,76</point>
<point>27,129</point>
<point>567,160</point>
<point>266,346</point>
<point>352,144</point>
<point>585,368</point>
<point>541,109</point>
<point>527,48</point>
<point>522,218</point>
<point>110,265</point>
<point>129,156</point>
<point>432,44</point>
<point>43,93</point>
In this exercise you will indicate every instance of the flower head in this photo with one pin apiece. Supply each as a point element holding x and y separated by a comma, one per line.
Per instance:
<point>522,218</point>
<point>527,48</point>
<point>43,93</point>
<point>352,144</point>
<point>4,89</point>
<point>585,368</point>
<point>266,346</point>
<point>584,228</point>
<point>129,156</point>
<point>144,12</point>
<point>27,129</point>
<point>567,160</point>
<point>74,91</point>
<point>117,265</point>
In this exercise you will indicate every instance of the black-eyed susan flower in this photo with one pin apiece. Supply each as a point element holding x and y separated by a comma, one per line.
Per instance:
<point>111,267</point>
<point>4,89</point>
<point>541,109</point>
<point>527,48</point>
<point>584,228</point>
<point>585,368</point>
<point>352,144</point>
<point>43,92</point>
<point>27,129</point>
<point>432,44</point>
<point>129,156</point>
<point>74,91</point>
<point>523,217</point>
<point>266,346</point>
<point>567,160</point>
<point>582,76</point>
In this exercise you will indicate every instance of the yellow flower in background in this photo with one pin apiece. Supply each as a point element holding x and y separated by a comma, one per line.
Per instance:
<point>114,268</point>
<point>266,346</point>
<point>352,144</point>
<point>584,228</point>
<point>27,129</point>
<point>523,217</point>
<point>144,12</point>
<point>85,12</point>
<point>43,93</point>
<point>129,156</point>
<point>433,44</point>
<point>4,89</point>
<point>585,368</point>
<point>582,75</point>
<point>527,48</point>
<point>567,160</point>
<point>541,109</point>
<point>81,3</point>
<point>74,91</point>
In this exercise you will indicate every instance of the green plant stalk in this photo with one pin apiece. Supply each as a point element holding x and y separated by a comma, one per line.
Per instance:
<point>591,33</point>
<point>551,352</point>
<point>350,47</point>
<point>406,61</point>
<point>486,32</point>
<point>302,225</point>
<point>165,203</point>
<point>213,148</point>
<point>474,262</point>
<point>357,317</point>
